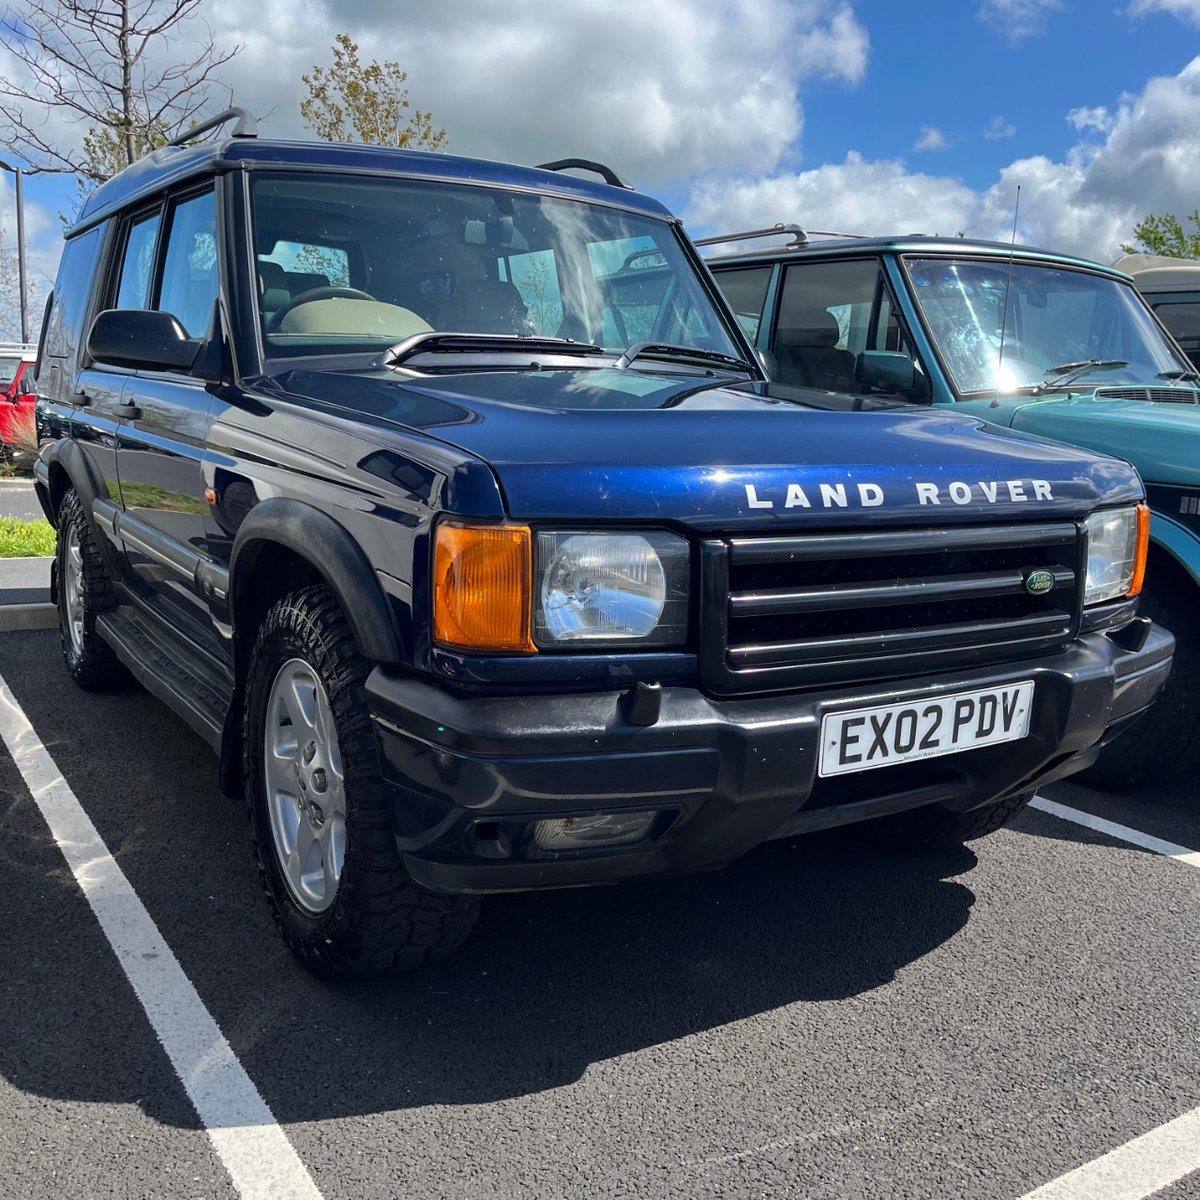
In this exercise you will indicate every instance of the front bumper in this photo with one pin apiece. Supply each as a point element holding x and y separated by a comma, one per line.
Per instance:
<point>469,776</point>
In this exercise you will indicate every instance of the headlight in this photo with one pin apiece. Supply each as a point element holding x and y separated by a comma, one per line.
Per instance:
<point>1116,553</point>
<point>610,587</point>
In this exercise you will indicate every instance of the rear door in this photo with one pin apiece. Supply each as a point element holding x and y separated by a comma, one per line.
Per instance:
<point>165,423</point>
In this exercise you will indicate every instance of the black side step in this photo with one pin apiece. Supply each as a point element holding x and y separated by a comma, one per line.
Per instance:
<point>166,672</point>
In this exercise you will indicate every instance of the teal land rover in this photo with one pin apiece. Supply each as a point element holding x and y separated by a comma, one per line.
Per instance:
<point>1040,342</point>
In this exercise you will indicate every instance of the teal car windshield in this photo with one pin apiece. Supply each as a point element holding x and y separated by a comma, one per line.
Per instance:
<point>1062,326</point>
<point>347,264</point>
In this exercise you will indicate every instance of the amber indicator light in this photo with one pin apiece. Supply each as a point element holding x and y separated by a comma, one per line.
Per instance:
<point>1143,548</point>
<point>482,582</point>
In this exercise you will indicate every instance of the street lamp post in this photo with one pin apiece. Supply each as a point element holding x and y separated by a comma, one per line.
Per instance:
<point>20,174</point>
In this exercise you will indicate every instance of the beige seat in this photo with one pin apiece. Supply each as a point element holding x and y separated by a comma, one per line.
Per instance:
<point>341,315</point>
<point>808,353</point>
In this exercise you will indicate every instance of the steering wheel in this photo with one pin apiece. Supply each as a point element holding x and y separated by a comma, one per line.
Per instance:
<point>317,293</point>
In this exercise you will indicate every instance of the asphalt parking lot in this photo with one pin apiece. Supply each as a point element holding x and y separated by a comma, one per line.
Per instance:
<point>826,1018</point>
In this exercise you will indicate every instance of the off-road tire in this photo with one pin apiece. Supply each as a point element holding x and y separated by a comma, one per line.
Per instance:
<point>379,919</point>
<point>93,664</point>
<point>938,826</point>
<point>1166,740</point>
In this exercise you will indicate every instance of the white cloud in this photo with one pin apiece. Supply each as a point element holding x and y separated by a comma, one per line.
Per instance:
<point>998,129</point>
<point>855,196</point>
<point>931,138</point>
<point>1186,10</point>
<point>1098,119</point>
<point>1087,203</point>
<point>658,90</point>
<point>1018,19</point>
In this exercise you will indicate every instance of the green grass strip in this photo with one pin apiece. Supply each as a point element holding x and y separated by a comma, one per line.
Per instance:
<point>25,539</point>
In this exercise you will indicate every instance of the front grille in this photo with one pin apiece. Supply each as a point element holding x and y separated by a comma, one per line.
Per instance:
<point>1158,395</point>
<point>794,611</point>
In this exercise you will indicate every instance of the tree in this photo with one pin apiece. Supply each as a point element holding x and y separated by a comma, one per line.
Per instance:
<point>350,102</point>
<point>1166,235</point>
<point>100,63</point>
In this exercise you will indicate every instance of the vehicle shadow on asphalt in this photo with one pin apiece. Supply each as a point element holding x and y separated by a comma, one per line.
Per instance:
<point>548,983</point>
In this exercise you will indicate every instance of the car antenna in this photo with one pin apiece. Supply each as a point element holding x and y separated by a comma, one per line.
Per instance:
<point>1012,248</point>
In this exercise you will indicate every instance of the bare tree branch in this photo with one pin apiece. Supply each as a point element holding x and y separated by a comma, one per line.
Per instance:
<point>100,63</point>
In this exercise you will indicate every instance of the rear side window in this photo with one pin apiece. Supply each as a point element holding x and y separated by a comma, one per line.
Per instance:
<point>63,330</point>
<point>8,370</point>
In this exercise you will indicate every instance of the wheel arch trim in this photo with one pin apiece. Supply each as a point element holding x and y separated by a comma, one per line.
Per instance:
<point>328,548</point>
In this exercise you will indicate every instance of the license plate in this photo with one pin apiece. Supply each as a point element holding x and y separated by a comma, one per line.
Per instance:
<point>865,738</point>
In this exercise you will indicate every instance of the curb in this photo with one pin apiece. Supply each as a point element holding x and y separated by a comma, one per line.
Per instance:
<point>28,616</point>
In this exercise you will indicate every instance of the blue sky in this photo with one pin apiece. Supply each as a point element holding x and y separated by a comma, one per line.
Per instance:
<point>865,115</point>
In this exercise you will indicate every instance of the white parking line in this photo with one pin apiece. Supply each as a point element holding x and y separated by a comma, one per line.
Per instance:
<point>1122,832</point>
<point>1136,1170</point>
<point>255,1151</point>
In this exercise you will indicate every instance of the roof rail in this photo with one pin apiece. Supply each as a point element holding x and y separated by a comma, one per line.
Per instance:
<point>586,164</point>
<point>630,259</point>
<point>800,237</point>
<point>246,127</point>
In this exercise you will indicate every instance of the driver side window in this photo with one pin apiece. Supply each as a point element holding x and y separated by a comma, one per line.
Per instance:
<point>830,314</point>
<point>189,286</point>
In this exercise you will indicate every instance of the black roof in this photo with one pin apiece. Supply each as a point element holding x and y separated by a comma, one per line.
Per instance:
<point>173,164</point>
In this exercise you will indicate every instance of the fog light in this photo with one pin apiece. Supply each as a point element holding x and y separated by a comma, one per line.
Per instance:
<point>603,829</point>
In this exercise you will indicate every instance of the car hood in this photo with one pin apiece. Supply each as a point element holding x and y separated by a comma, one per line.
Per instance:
<point>1161,439</point>
<point>604,444</point>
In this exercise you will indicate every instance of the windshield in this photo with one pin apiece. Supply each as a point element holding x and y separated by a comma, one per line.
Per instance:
<point>354,264</point>
<point>1057,318</point>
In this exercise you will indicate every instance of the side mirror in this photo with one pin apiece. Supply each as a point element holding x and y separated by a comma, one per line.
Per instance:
<point>887,370</point>
<point>130,337</point>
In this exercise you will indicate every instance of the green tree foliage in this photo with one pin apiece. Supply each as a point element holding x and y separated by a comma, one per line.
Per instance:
<point>353,102</point>
<point>1166,235</point>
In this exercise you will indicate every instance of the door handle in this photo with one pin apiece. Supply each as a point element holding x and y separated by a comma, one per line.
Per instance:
<point>130,409</point>
<point>82,398</point>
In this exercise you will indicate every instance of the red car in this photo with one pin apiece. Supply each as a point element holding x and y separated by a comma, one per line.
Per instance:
<point>17,402</point>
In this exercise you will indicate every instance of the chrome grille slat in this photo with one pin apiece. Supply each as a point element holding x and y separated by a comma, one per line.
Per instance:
<point>744,551</point>
<point>899,591</point>
<point>901,640</point>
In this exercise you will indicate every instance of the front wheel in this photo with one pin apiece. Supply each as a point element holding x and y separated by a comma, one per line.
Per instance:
<point>938,826</point>
<point>322,828</point>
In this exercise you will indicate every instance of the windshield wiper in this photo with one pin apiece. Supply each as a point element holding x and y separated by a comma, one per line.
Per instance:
<point>1175,376</point>
<point>1069,372</point>
<point>672,352</point>
<point>482,343</point>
